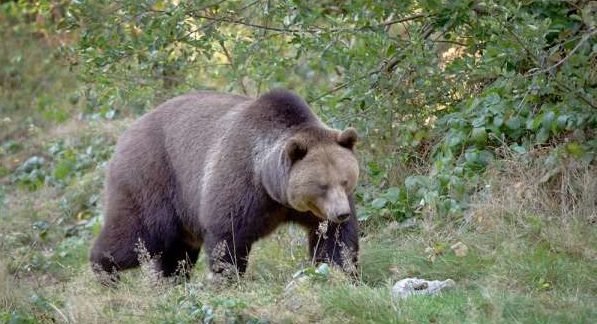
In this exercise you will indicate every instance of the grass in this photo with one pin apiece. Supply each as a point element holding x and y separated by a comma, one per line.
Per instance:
<point>531,245</point>
<point>521,266</point>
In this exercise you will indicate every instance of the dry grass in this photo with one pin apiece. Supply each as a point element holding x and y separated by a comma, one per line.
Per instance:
<point>6,288</point>
<point>568,190</point>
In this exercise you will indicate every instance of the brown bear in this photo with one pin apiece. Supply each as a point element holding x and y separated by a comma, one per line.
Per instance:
<point>222,171</point>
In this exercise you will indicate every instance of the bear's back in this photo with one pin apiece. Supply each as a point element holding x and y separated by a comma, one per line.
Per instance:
<point>175,142</point>
<point>195,109</point>
<point>170,142</point>
<point>279,109</point>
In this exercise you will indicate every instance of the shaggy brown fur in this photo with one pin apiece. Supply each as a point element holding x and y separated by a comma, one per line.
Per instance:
<point>222,171</point>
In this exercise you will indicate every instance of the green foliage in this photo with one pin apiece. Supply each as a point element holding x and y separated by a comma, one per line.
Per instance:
<point>445,87</point>
<point>68,161</point>
<point>16,318</point>
<point>392,203</point>
<point>189,308</point>
<point>321,272</point>
<point>30,174</point>
<point>73,160</point>
<point>31,73</point>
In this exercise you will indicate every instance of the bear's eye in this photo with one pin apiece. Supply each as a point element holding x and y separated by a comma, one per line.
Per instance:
<point>344,183</point>
<point>323,187</point>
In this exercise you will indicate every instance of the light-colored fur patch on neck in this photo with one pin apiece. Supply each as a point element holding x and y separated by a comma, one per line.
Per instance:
<point>270,165</point>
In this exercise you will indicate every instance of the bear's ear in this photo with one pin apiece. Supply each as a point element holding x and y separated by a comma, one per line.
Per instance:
<point>296,150</point>
<point>348,138</point>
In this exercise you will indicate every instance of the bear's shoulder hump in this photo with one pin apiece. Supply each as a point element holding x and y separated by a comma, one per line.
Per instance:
<point>284,106</point>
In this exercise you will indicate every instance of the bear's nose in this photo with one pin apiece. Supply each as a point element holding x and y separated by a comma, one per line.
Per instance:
<point>343,217</point>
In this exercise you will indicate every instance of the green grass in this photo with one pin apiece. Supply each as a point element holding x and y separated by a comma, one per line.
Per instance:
<point>535,269</point>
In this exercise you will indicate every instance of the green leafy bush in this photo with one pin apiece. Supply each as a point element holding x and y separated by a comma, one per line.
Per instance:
<point>439,89</point>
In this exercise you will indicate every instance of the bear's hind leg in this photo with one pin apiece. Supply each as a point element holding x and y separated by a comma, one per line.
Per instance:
<point>115,249</point>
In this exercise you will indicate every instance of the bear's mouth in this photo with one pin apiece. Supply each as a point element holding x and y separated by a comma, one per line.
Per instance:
<point>315,210</point>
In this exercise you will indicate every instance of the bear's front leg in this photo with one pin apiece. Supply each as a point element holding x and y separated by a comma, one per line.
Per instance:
<point>336,243</point>
<point>227,254</point>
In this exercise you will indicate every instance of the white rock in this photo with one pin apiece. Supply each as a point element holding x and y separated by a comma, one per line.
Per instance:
<point>415,286</point>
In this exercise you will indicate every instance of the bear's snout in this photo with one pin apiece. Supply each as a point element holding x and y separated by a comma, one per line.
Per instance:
<point>336,206</point>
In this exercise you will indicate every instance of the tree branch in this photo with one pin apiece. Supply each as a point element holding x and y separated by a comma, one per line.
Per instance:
<point>312,30</point>
<point>239,22</point>
<point>580,96</point>
<point>386,67</point>
<point>449,42</point>
<point>341,86</point>
<point>234,67</point>
<point>560,62</point>
<point>402,20</point>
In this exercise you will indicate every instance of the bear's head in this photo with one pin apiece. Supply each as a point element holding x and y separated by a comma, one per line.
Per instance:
<point>323,174</point>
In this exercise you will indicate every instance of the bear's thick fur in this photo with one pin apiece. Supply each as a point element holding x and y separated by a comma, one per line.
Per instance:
<point>222,171</point>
